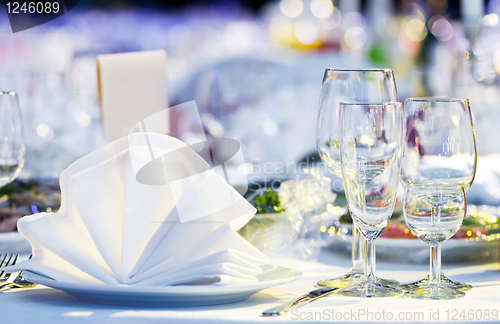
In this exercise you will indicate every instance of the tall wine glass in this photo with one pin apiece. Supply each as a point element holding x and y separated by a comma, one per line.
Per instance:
<point>348,85</point>
<point>434,222</point>
<point>370,147</point>
<point>439,152</point>
<point>12,147</point>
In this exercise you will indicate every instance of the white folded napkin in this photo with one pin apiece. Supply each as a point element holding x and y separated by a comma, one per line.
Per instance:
<point>486,187</point>
<point>113,229</point>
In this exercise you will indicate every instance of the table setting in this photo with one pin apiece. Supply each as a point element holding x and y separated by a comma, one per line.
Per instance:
<point>149,223</point>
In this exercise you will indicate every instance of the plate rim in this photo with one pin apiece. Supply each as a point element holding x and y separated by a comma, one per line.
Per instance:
<point>180,290</point>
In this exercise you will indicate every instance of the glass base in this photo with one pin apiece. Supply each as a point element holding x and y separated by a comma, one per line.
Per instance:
<point>371,288</point>
<point>444,282</point>
<point>434,291</point>
<point>351,278</point>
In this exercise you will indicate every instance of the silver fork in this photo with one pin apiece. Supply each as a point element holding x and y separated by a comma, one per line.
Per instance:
<point>15,279</point>
<point>7,260</point>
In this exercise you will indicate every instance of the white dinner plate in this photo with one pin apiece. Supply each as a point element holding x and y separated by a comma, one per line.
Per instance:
<point>169,295</point>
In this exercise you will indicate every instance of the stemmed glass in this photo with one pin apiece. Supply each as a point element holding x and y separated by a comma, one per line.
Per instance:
<point>434,216</point>
<point>439,157</point>
<point>348,85</point>
<point>370,147</point>
<point>12,147</point>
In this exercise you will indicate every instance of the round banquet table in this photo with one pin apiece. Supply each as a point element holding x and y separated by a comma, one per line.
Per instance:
<point>46,305</point>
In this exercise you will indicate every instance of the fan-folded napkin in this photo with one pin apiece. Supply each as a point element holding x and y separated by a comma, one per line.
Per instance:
<point>114,228</point>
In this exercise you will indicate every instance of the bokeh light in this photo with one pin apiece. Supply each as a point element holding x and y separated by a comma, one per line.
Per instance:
<point>491,20</point>
<point>440,28</point>
<point>82,117</point>
<point>496,61</point>
<point>333,21</point>
<point>478,74</point>
<point>291,8</point>
<point>322,8</point>
<point>415,29</point>
<point>43,130</point>
<point>306,32</point>
<point>355,37</point>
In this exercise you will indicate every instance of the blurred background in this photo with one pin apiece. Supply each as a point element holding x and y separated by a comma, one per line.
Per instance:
<point>255,68</point>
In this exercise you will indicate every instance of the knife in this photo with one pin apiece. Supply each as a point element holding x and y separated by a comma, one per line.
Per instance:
<point>302,300</point>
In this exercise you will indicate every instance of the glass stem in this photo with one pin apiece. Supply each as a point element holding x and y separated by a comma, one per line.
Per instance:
<point>358,260</point>
<point>438,252</point>
<point>370,260</point>
<point>435,266</point>
<point>357,250</point>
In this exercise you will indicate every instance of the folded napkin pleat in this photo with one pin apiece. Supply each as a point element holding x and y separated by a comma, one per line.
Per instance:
<point>204,273</point>
<point>203,248</point>
<point>229,259</point>
<point>177,225</point>
<point>54,237</point>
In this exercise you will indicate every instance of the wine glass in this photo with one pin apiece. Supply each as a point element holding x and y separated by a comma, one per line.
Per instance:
<point>12,147</point>
<point>370,147</point>
<point>439,152</point>
<point>434,215</point>
<point>348,85</point>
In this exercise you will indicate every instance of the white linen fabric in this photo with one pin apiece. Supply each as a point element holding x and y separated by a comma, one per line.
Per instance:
<point>486,187</point>
<point>112,229</point>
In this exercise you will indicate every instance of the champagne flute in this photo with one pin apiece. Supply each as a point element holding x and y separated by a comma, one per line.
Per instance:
<point>434,221</point>
<point>370,147</point>
<point>348,85</point>
<point>12,147</point>
<point>439,151</point>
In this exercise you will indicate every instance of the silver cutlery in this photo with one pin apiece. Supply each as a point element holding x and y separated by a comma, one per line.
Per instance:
<point>15,279</point>
<point>302,300</point>
<point>6,261</point>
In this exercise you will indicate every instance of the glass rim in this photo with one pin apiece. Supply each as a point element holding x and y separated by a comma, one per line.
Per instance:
<point>371,103</point>
<point>356,70</point>
<point>8,93</point>
<point>436,99</point>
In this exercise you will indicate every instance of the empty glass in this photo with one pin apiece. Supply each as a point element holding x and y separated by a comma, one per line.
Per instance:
<point>12,147</point>
<point>434,223</point>
<point>348,85</point>
<point>438,161</point>
<point>370,146</point>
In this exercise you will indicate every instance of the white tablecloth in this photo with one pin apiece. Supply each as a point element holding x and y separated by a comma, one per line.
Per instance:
<point>46,305</point>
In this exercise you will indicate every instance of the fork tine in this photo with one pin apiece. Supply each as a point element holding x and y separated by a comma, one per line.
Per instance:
<point>3,264</point>
<point>12,259</point>
<point>2,257</point>
<point>4,260</point>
